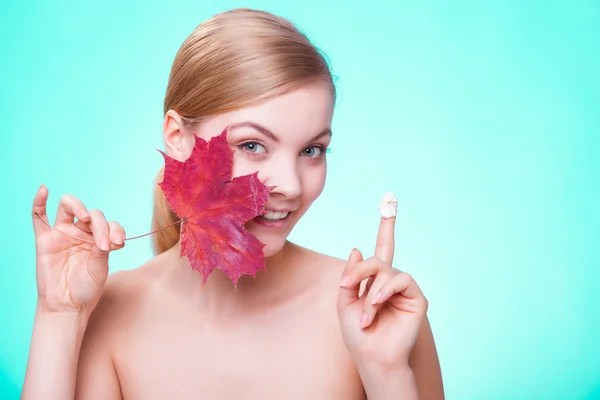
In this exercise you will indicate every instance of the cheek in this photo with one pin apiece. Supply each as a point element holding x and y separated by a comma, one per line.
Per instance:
<point>313,182</point>
<point>241,165</point>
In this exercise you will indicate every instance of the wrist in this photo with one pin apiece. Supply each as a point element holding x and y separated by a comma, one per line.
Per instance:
<point>388,381</point>
<point>389,365</point>
<point>66,323</point>
<point>380,370</point>
<point>53,354</point>
<point>50,306</point>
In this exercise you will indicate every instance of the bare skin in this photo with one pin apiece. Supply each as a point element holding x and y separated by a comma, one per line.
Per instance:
<point>294,331</point>
<point>166,342</point>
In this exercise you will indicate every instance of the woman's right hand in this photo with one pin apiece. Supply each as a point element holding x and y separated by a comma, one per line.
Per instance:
<point>71,272</point>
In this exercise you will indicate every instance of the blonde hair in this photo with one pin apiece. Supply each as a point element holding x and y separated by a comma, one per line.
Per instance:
<point>234,59</point>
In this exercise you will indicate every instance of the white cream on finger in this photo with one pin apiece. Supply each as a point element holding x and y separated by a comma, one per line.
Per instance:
<point>388,207</point>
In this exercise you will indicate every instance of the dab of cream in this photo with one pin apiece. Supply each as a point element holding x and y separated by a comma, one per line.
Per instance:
<point>388,207</point>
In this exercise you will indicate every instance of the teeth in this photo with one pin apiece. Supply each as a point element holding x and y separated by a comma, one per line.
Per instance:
<point>275,215</point>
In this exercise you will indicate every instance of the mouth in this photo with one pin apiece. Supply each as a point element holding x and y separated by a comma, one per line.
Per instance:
<point>274,218</point>
<point>275,215</point>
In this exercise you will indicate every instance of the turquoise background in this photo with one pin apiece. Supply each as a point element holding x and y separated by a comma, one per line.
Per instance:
<point>483,118</point>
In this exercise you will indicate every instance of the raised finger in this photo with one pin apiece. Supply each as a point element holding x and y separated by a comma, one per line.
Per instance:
<point>116,234</point>
<point>384,246</point>
<point>100,230</point>
<point>38,211</point>
<point>70,207</point>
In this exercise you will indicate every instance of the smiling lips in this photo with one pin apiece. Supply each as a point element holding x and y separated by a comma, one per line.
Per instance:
<point>273,219</point>
<point>273,215</point>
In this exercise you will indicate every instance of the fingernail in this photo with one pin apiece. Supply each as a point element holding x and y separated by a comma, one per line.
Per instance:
<point>378,297</point>
<point>363,319</point>
<point>116,239</point>
<point>85,215</point>
<point>105,244</point>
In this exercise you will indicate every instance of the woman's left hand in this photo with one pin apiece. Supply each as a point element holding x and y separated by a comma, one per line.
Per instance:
<point>381,325</point>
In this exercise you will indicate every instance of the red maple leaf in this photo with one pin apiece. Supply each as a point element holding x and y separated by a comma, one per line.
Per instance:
<point>214,208</point>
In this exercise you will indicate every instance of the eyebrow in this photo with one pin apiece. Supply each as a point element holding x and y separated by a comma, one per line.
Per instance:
<point>271,135</point>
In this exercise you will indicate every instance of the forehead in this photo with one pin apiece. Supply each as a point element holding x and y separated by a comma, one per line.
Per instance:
<point>299,114</point>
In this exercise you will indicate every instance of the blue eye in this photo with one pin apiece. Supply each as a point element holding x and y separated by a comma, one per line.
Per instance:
<point>252,147</point>
<point>313,151</point>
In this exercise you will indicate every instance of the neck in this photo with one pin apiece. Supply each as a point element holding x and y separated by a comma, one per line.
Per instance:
<point>219,298</point>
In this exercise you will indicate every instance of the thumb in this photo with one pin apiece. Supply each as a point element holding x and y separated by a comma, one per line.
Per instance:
<point>98,255</point>
<point>349,294</point>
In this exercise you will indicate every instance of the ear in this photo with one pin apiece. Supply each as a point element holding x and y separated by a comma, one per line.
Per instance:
<point>177,139</point>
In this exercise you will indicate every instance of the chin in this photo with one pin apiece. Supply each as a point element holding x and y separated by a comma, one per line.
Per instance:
<point>272,245</point>
<point>274,240</point>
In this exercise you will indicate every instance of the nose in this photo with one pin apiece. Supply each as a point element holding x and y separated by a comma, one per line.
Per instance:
<point>285,178</point>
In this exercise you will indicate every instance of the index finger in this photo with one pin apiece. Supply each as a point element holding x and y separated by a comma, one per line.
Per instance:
<point>384,246</point>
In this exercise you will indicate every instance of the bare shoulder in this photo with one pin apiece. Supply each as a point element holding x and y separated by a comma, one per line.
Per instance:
<point>124,294</point>
<point>328,265</point>
<point>327,269</point>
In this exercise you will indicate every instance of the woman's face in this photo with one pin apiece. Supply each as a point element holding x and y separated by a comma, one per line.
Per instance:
<point>285,139</point>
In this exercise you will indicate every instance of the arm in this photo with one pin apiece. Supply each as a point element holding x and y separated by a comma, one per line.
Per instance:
<point>71,269</point>
<point>395,356</point>
<point>52,364</point>
<point>420,379</point>
<point>69,359</point>
<point>425,364</point>
<point>382,384</point>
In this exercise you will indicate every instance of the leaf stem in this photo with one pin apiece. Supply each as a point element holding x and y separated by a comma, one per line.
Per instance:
<point>157,230</point>
<point>91,241</point>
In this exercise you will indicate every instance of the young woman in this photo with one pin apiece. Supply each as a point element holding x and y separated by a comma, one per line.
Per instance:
<point>309,327</point>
